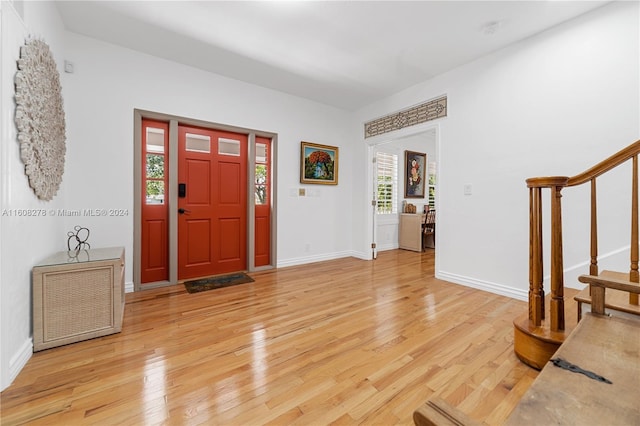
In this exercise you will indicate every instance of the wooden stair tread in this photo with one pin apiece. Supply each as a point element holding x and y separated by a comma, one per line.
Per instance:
<point>604,345</point>
<point>615,299</point>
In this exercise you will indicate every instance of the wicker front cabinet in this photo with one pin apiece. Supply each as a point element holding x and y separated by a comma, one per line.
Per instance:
<point>77,296</point>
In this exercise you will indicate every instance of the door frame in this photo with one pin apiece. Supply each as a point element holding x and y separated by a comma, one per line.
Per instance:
<point>173,121</point>
<point>384,139</point>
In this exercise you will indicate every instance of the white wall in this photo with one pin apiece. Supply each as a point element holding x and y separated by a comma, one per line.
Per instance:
<point>23,240</point>
<point>554,104</point>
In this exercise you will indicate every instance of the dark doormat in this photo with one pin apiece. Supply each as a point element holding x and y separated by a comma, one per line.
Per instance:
<point>219,281</point>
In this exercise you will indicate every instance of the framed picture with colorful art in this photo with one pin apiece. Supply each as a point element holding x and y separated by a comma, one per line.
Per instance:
<point>318,164</point>
<point>415,164</point>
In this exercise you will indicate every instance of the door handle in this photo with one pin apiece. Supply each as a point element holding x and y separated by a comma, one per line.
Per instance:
<point>183,211</point>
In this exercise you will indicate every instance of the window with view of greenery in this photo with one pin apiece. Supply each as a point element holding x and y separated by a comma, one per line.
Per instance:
<point>155,179</point>
<point>387,167</point>
<point>261,184</point>
<point>262,175</point>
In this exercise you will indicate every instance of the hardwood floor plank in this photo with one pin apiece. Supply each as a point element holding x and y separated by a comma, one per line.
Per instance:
<point>517,384</point>
<point>340,342</point>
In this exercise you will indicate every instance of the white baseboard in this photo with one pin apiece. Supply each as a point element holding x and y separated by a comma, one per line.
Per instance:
<point>18,361</point>
<point>361,255</point>
<point>385,247</point>
<point>128,287</point>
<point>322,257</point>
<point>484,285</point>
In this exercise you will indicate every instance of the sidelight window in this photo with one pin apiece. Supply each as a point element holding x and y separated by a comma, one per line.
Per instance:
<point>155,166</point>
<point>262,175</point>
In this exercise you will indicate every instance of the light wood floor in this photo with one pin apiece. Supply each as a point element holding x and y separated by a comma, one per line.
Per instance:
<point>338,342</point>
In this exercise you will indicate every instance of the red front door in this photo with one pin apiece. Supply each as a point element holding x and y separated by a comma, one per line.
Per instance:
<point>212,202</point>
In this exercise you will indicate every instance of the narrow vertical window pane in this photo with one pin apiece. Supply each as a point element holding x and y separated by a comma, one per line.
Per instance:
<point>155,140</point>
<point>261,194</point>
<point>155,192</point>
<point>155,166</point>
<point>261,153</point>
<point>261,184</point>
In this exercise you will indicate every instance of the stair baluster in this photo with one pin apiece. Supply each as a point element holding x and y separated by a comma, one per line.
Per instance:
<point>593,267</point>
<point>536,289</point>
<point>633,272</point>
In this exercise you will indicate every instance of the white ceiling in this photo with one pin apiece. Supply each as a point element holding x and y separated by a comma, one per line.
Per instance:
<point>342,53</point>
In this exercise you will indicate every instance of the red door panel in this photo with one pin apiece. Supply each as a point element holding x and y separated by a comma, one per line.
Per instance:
<point>262,241</point>
<point>229,243</point>
<point>229,180</point>
<point>156,239</point>
<point>199,182</point>
<point>198,248</point>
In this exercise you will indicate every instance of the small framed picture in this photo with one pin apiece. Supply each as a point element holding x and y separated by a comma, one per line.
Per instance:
<point>414,174</point>
<point>318,164</point>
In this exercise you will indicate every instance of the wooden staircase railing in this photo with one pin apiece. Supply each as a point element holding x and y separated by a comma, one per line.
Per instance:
<point>536,353</point>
